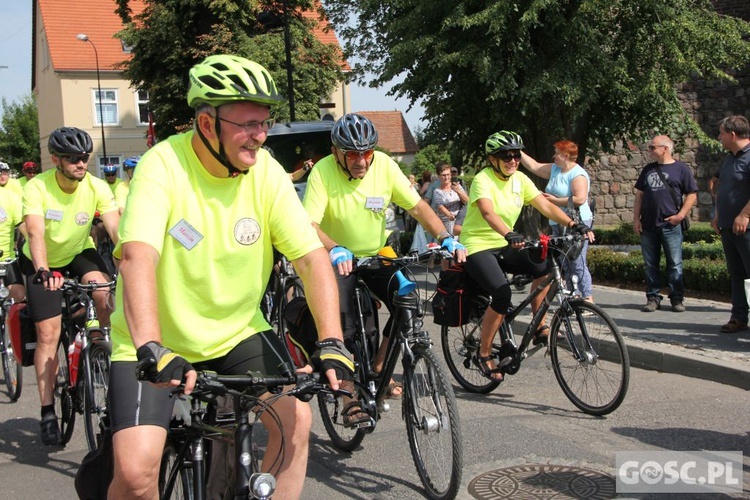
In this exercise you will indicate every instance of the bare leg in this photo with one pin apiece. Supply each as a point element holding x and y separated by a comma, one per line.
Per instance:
<point>137,452</point>
<point>490,325</point>
<point>45,357</point>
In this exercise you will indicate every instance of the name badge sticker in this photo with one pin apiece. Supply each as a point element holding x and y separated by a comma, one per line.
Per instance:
<point>516,186</point>
<point>375,203</point>
<point>186,234</point>
<point>54,214</point>
<point>3,214</point>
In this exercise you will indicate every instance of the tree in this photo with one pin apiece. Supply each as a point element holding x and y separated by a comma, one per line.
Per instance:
<point>19,135</point>
<point>593,71</point>
<point>170,36</point>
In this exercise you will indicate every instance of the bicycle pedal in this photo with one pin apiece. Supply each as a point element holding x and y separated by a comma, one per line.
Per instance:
<point>364,425</point>
<point>384,407</point>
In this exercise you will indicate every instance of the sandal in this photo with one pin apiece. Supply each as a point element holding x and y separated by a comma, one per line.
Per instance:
<point>395,390</point>
<point>50,430</point>
<point>541,336</point>
<point>354,415</point>
<point>486,370</point>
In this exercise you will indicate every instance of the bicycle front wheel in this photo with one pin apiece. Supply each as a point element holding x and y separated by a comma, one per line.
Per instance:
<point>589,358</point>
<point>63,397</point>
<point>432,424</point>
<point>12,370</point>
<point>175,477</point>
<point>95,389</point>
<point>460,348</point>
<point>331,412</point>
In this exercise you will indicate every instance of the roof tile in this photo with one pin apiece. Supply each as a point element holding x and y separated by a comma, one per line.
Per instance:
<point>393,132</point>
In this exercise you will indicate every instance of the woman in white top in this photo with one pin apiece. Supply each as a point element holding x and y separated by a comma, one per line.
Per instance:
<point>448,198</point>
<point>568,186</point>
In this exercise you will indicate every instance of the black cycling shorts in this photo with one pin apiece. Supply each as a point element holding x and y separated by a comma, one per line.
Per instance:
<point>44,304</point>
<point>134,403</point>
<point>382,284</point>
<point>488,267</point>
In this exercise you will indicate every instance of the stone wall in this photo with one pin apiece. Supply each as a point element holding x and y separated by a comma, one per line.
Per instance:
<point>613,176</point>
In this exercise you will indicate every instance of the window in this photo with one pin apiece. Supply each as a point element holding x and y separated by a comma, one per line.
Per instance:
<point>108,106</point>
<point>141,101</point>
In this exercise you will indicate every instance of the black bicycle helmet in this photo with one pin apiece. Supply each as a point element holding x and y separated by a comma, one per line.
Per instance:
<point>503,141</point>
<point>353,132</point>
<point>67,141</point>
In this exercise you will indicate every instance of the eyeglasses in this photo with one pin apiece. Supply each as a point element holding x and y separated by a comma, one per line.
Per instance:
<point>252,127</point>
<point>355,155</point>
<point>508,155</point>
<point>651,147</point>
<point>75,159</point>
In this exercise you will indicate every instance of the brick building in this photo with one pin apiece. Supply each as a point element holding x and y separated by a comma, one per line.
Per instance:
<point>613,176</point>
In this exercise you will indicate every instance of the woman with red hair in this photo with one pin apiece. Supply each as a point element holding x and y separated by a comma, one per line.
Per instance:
<point>568,188</point>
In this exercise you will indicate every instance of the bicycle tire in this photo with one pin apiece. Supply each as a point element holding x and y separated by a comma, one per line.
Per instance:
<point>183,484</point>
<point>460,348</point>
<point>432,424</point>
<point>343,438</point>
<point>95,373</point>
<point>597,385</point>
<point>12,369</point>
<point>63,397</point>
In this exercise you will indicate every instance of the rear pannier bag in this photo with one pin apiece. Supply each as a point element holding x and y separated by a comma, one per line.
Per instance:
<point>452,300</point>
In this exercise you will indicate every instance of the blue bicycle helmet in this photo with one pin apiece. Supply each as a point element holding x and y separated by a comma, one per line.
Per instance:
<point>109,169</point>
<point>131,162</point>
<point>353,132</point>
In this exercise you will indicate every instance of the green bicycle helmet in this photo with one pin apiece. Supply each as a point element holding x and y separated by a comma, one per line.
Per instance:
<point>503,141</point>
<point>222,79</point>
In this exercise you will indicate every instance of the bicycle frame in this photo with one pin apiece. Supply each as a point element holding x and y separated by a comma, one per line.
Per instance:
<point>248,481</point>
<point>556,290</point>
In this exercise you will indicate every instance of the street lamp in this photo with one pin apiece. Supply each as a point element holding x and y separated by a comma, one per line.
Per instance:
<point>85,38</point>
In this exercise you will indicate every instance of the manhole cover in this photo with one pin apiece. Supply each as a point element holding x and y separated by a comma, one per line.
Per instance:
<point>543,482</point>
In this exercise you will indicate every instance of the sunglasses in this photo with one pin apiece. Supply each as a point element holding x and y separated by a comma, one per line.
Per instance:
<point>76,159</point>
<point>507,156</point>
<point>354,155</point>
<point>654,146</point>
<point>110,175</point>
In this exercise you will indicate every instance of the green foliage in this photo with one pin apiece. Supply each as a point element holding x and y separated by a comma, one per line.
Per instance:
<point>593,71</point>
<point>19,136</point>
<point>170,36</point>
<point>624,234</point>
<point>427,157</point>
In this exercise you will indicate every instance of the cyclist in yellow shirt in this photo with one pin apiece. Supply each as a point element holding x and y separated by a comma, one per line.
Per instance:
<point>122,189</point>
<point>346,197</point>
<point>30,170</point>
<point>10,219</point>
<point>203,215</point>
<point>498,194</point>
<point>7,183</point>
<point>58,209</point>
<point>110,175</point>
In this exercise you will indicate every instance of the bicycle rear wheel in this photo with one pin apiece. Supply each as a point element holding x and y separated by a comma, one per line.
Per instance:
<point>598,381</point>
<point>460,347</point>
<point>331,412</point>
<point>174,468</point>
<point>12,370</point>
<point>63,397</point>
<point>95,390</point>
<point>432,424</point>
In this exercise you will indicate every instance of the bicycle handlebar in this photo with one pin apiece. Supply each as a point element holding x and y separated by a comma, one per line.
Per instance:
<point>71,284</point>
<point>403,261</point>
<point>209,384</point>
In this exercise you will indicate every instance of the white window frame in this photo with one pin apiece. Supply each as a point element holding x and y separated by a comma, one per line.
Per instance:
<point>138,103</point>
<point>106,104</point>
<point>115,160</point>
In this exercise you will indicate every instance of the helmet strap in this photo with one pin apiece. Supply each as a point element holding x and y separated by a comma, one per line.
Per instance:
<point>220,155</point>
<point>347,172</point>
<point>499,171</point>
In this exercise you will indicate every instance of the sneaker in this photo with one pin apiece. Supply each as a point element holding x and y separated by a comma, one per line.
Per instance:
<point>678,306</point>
<point>49,429</point>
<point>652,305</point>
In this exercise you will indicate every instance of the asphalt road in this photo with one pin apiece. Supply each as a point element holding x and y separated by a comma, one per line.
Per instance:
<point>527,420</point>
